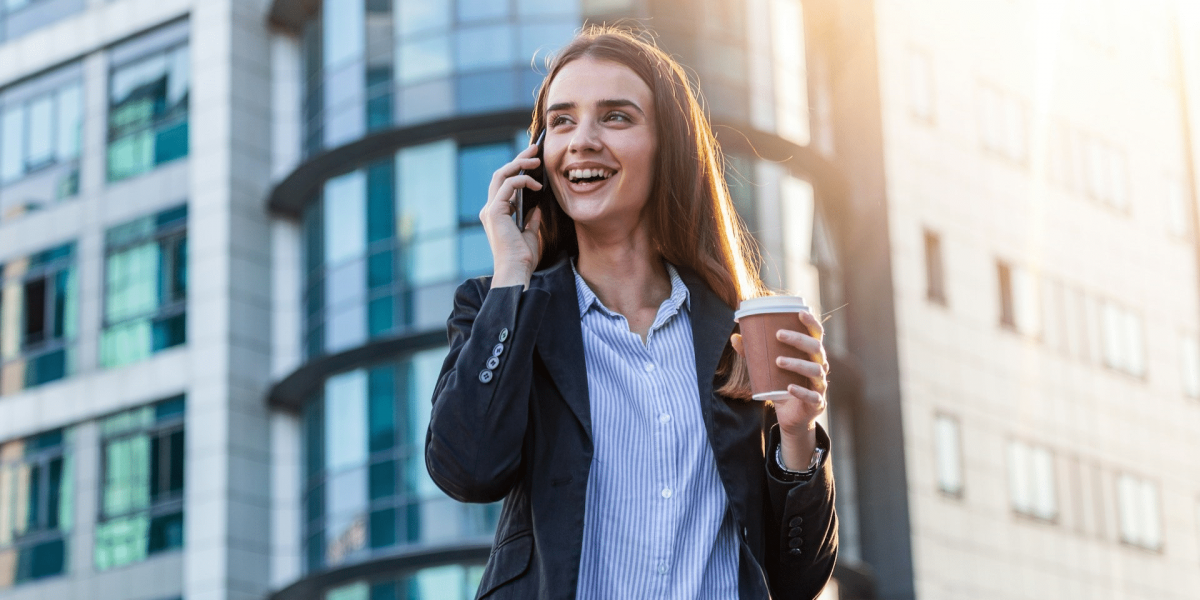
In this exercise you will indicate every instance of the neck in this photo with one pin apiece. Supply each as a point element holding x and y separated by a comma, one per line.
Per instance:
<point>624,271</point>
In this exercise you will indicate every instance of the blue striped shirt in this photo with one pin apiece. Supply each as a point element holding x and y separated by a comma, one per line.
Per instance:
<point>656,521</point>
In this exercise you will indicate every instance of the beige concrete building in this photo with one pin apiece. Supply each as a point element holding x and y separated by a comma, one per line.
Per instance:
<point>1019,227</point>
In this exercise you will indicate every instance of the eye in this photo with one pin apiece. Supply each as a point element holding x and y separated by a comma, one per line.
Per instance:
<point>617,116</point>
<point>559,120</point>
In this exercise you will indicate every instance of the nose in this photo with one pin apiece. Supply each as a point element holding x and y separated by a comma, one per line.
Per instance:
<point>585,139</point>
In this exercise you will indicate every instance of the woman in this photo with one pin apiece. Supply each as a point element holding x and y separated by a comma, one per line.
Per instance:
<point>603,395</point>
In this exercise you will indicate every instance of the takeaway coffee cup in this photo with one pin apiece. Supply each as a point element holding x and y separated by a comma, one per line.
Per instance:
<point>760,319</point>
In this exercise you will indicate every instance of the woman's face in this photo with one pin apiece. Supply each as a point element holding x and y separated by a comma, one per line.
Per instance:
<point>600,142</point>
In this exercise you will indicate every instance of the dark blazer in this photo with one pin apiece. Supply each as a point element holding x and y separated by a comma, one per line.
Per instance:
<point>521,432</point>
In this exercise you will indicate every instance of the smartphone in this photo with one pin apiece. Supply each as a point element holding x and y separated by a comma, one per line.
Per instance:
<point>528,199</point>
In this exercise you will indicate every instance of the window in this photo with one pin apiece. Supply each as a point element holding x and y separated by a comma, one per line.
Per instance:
<point>381,258</point>
<point>1179,218</point>
<point>1031,481</point>
<point>18,17</point>
<point>367,490</point>
<point>39,306</point>
<point>1122,332</point>
<point>935,285</point>
<point>36,506</point>
<point>790,78</point>
<point>1019,299</point>
<point>141,493</point>
<point>1003,124</point>
<point>452,582</point>
<point>39,141</point>
<point>1106,177</point>
<point>145,293</point>
<point>1137,506</point>
<point>920,85</point>
<point>148,105</point>
<point>948,449</point>
<point>1189,367</point>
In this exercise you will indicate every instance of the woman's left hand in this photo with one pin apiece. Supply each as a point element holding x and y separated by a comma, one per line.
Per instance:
<point>798,415</point>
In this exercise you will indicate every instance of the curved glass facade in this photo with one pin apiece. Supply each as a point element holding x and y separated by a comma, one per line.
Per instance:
<point>377,64</point>
<point>387,244</point>
<point>445,582</point>
<point>367,491</point>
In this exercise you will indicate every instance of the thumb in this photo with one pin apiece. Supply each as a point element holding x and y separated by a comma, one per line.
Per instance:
<point>736,340</point>
<point>534,221</point>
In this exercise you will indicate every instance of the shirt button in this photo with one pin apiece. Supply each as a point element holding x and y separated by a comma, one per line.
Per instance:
<point>493,362</point>
<point>498,349</point>
<point>664,418</point>
<point>662,567</point>
<point>485,376</point>
<point>648,366</point>
<point>666,493</point>
<point>504,334</point>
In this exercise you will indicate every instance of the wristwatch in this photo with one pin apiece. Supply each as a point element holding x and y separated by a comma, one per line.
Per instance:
<point>790,475</point>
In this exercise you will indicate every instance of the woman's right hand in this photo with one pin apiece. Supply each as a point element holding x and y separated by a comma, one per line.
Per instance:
<point>515,253</point>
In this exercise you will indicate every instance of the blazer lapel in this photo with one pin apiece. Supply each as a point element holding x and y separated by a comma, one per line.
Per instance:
<point>712,324</point>
<point>561,346</point>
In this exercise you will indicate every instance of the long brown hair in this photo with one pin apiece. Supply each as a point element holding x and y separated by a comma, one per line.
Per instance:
<point>692,220</point>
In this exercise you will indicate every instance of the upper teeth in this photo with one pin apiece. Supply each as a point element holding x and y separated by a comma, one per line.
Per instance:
<point>577,174</point>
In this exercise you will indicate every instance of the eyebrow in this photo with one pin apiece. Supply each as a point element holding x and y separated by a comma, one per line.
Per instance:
<point>613,103</point>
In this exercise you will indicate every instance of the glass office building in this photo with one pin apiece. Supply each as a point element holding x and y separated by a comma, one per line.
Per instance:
<point>230,234</point>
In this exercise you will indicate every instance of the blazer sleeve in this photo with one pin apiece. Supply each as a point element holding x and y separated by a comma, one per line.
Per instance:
<point>801,556</point>
<point>473,446</point>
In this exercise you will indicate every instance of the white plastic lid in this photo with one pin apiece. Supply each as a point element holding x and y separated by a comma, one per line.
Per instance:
<point>770,304</point>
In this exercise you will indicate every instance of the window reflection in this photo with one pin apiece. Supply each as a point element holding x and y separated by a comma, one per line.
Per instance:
<point>385,245</point>
<point>148,111</point>
<point>375,64</point>
<point>145,293</point>
<point>446,582</point>
<point>36,506</point>
<point>40,124</point>
<point>141,496</point>
<point>367,487</point>
<point>39,307</point>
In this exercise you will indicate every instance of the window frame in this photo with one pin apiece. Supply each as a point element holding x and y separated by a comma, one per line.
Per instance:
<point>47,271</point>
<point>169,238</point>
<point>41,459</point>
<point>935,269</point>
<point>1031,478</point>
<point>1140,484</point>
<point>960,493</point>
<point>165,41</point>
<point>159,429</point>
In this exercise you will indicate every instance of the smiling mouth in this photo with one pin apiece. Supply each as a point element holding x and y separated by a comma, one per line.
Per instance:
<point>588,175</point>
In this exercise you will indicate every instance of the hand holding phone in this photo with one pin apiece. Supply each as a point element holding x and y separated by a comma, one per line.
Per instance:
<point>527,199</point>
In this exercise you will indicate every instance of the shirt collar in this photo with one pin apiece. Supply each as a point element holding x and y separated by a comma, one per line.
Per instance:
<point>680,296</point>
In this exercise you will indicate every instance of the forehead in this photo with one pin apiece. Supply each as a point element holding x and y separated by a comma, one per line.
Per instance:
<point>586,80</point>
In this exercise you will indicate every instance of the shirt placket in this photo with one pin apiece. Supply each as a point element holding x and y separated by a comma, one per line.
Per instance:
<point>664,446</point>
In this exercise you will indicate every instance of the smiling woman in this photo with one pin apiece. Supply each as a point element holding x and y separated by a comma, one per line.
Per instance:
<point>593,383</point>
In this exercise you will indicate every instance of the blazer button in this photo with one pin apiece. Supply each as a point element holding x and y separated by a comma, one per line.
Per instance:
<point>795,543</point>
<point>498,349</point>
<point>794,532</point>
<point>493,362</point>
<point>796,521</point>
<point>485,376</point>
<point>504,334</point>
<point>794,552</point>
